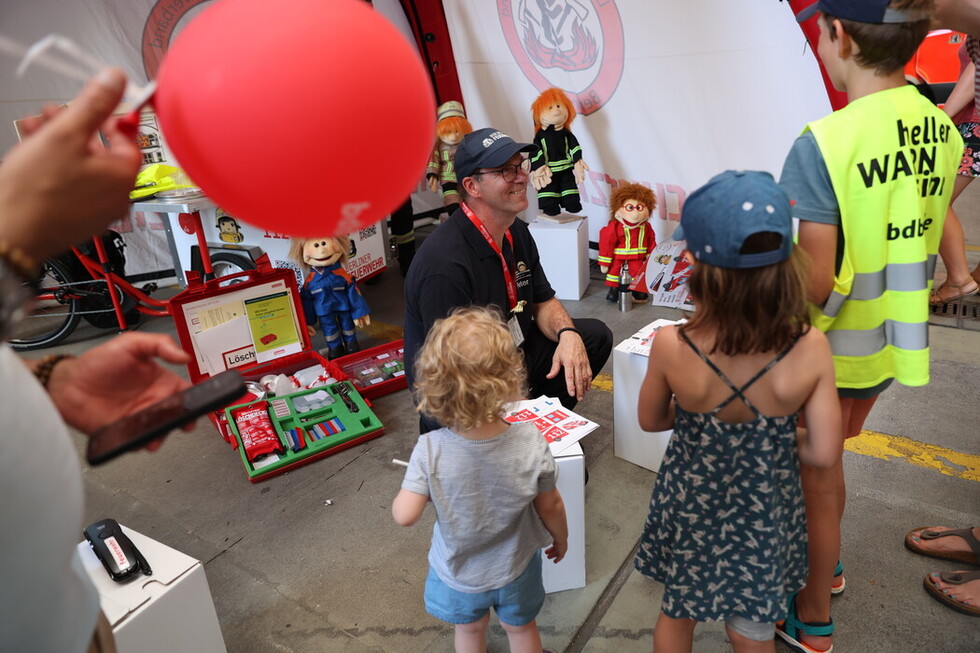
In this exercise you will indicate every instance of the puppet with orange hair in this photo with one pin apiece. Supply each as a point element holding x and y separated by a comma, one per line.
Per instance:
<point>451,126</point>
<point>627,239</point>
<point>557,167</point>
<point>329,294</point>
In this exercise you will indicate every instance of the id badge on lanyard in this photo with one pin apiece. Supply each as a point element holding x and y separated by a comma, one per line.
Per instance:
<point>513,324</point>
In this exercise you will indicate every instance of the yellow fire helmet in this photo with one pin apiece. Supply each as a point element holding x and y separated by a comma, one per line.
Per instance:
<point>159,177</point>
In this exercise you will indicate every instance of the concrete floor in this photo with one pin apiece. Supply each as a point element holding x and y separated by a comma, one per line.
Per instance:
<point>289,573</point>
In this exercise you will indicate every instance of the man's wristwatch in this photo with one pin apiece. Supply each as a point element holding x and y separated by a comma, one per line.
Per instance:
<point>16,297</point>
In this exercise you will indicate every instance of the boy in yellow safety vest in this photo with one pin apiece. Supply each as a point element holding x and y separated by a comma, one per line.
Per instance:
<point>870,183</point>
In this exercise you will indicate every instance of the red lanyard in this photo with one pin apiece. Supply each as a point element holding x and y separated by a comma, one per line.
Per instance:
<point>508,275</point>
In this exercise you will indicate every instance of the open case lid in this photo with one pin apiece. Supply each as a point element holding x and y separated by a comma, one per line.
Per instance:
<point>240,320</point>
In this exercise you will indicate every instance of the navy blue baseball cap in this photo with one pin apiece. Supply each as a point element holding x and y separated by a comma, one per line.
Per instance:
<point>864,11</point>
<point>718,217</point>
<point>485,148</point>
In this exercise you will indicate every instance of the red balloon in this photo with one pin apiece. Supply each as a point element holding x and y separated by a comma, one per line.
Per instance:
<point>312,120</point>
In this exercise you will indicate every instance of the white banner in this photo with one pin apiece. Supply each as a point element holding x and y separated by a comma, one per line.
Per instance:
<point>669,93</point>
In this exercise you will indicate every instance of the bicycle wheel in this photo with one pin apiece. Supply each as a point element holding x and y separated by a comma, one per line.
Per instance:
<point>56,310</point>
<point>225,263</point>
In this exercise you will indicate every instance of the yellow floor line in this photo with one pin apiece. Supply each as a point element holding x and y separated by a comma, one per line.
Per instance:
<point>921,454</point>
<point>603,382</point>
<point>887,447</point>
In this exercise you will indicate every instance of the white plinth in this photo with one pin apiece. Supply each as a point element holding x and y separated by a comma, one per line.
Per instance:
<point>564,252</point>
<point>171,610</point>
<point>631,443</point>
<point>570,572</point>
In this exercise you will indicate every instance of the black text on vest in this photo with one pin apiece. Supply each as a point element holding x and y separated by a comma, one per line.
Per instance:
<point>916,157</point>
<point>913,229</point>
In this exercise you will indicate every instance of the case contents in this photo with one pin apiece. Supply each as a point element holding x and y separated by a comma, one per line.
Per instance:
<point>257,432</point>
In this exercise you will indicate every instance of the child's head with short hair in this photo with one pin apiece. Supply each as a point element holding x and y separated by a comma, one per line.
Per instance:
<point>468,369</point>
<point>887,32</point>
<point>749,283</point>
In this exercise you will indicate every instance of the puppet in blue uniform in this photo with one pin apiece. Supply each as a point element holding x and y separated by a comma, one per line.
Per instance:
<point>330,295</point>
<point>557,167</point>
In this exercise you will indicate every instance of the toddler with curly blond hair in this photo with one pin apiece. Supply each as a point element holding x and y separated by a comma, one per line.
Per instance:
<point>491,483</point>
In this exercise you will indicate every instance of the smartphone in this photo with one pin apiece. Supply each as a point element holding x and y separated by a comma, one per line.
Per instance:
<point>136,430</point>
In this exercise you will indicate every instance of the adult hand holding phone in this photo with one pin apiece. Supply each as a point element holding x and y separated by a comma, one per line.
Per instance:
<point>116,379</point>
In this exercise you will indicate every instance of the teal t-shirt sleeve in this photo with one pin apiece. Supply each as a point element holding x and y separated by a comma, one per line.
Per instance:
<point>807,182</point>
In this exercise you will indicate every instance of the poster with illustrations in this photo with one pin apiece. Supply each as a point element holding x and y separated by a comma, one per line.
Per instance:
<point>666,276</point>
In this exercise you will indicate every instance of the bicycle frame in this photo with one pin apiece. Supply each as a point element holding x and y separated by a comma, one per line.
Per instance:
<point>100,271</point>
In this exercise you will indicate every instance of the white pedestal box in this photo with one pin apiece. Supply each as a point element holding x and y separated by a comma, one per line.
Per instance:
<point>570,572</point>
<point>631,443</point>
<point>564,252</point>
<point>169,611</point>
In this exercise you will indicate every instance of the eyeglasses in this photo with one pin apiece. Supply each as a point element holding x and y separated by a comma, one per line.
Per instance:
<point>633,207</point>
<point>508,172</point>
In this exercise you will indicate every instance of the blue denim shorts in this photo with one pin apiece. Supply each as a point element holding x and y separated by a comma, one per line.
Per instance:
<point>517,603</point>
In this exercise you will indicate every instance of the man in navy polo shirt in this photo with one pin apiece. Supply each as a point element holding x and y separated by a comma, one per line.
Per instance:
<point>483,255</point>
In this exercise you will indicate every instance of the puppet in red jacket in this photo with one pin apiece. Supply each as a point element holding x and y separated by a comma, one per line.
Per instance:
<point>628,238</point>
<point>329,294</point>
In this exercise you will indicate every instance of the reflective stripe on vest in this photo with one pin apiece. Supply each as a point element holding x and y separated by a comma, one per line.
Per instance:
<point>892,158</point>
<point>871,285</point>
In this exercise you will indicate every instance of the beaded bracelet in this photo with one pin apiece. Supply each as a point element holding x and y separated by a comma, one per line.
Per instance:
<point>45,367</point>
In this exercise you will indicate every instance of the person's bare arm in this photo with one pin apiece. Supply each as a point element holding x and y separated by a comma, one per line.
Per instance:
<point>819,241</point>
<point>821,443</point>
<point>408,506</point>
<point>655,408</point>
<point>551,509</point>
<point>961,15</point>
<point>963,93</point>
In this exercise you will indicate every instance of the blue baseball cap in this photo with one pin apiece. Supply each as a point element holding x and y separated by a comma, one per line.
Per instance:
<point>718,217</point>
<point>485,148</point>
<point>864,11</point>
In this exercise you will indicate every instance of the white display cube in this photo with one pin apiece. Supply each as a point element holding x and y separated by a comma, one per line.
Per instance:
<point>170,610</point>
<point>631,443</point>
<point>564,252</point>
<point>570,572</point>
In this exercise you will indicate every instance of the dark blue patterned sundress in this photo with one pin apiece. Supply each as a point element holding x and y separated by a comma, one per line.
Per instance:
<point>726,534</point>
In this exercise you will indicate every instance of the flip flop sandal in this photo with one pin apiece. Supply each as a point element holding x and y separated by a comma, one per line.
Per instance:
<point>967,289</point>
<point>791,630</point>
<point>926,533</point>
<point>839,582</point>
<point>952,578</point>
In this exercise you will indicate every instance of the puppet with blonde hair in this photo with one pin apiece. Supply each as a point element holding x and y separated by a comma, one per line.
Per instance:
<point>627,239</point>
<point>557,167</point>
<point>330,295</point>
<point>451,126</point>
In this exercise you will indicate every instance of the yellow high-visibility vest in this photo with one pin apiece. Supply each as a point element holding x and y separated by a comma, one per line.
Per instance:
<point>892,158</point>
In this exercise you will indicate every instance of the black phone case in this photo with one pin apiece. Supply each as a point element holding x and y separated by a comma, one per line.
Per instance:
<point>117,553</point>
<point>194,402</point>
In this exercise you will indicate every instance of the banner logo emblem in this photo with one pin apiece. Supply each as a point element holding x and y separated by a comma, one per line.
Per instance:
<point>576,45</point>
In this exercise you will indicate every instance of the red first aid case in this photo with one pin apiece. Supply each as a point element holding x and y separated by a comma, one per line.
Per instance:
<point>253,322</point>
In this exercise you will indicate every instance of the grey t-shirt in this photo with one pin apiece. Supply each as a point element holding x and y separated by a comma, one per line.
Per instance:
<point>486,527</point>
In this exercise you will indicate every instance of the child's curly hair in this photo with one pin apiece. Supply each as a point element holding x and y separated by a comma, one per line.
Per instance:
<point>552,95</point>
<point>637,192</point>
<point>468,369</point>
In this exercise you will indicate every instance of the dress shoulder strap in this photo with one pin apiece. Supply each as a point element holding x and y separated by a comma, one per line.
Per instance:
<point>738,392</point>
